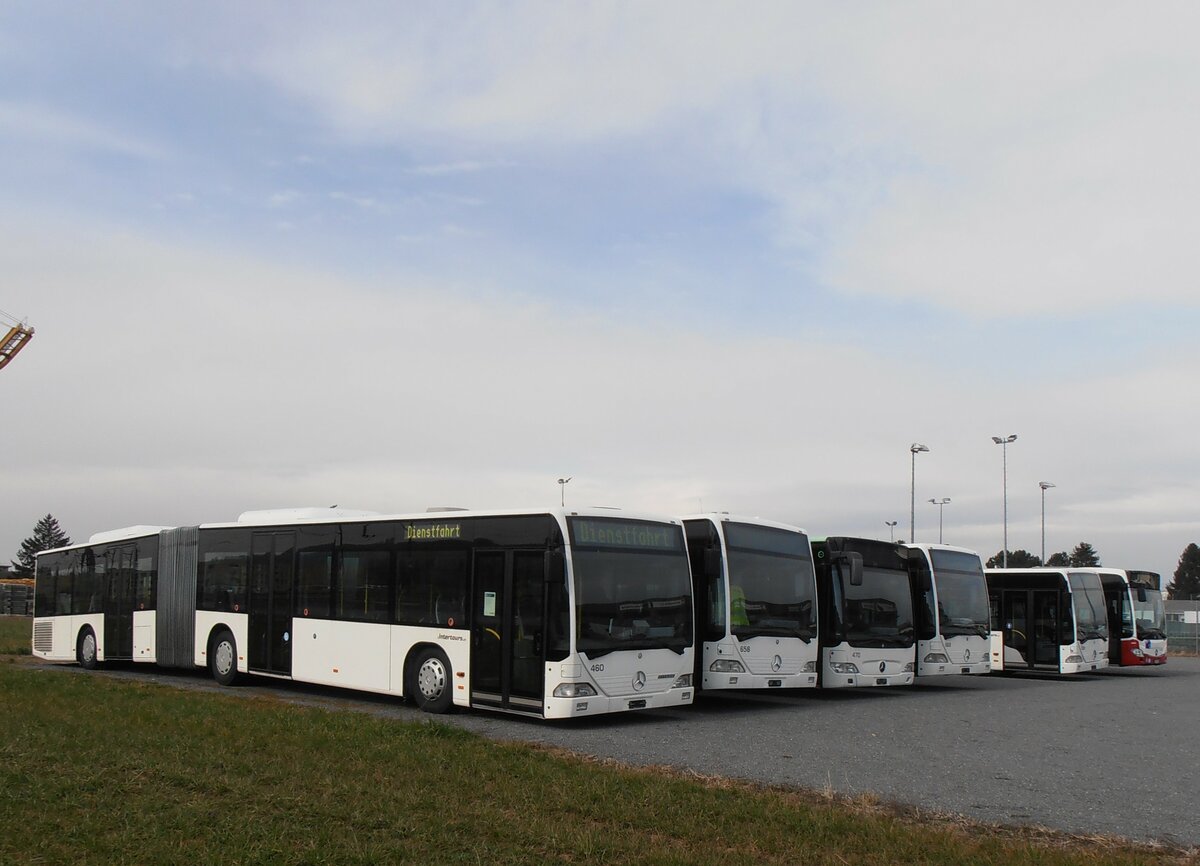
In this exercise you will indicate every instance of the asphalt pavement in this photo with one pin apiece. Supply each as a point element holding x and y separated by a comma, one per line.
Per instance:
<point>1113,752</point>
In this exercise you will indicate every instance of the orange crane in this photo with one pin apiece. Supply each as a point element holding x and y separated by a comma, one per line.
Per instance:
<point>19,335</point>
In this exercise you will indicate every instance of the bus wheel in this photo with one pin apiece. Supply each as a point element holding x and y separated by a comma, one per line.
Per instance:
<point>429,681</point>
<point>85,650</point>
<point>222,658</point>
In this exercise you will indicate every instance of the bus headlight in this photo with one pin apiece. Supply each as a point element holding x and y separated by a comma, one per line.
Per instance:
<point>1074,659</point>
<point>911,666</point>
<point>574,690</point>
<point>937,659</point>
<point>844,668</point>
<point>727,666</point>
<point>683,681</point>
<point>810,667</point>
<point>1137,652</point>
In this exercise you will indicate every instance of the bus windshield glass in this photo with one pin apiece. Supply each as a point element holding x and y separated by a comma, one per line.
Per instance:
<point>771,583</point>
<point>879,612</point>
<point>633,589</point>
<point>962,599</point>
<point>1149,614</point>
<point>1091,615</point>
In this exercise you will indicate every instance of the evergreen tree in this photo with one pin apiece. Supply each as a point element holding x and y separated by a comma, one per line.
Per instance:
<point>1186,584</point>
<point>46,536</point>
<point>1016,559</point>
<point>1084,556</point>
<point>1058,560</point>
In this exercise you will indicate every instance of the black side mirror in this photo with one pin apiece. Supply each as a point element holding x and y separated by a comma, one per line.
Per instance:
<point>1141,596</point>
<point>712,561</point>
<point>853,563</point>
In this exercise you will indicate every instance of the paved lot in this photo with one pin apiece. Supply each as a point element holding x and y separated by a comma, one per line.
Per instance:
<point>1114,752</point>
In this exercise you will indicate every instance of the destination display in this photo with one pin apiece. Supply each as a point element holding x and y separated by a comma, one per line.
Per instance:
<point>432,531</point>
<point>629,534</point>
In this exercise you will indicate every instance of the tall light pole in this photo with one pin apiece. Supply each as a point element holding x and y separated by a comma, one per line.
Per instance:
<point>940,503</point>
<point>1044,485</point>
<point>891,524</point>
<point>562,491</point>
<point>912,512</point>
<point>1003,443</point>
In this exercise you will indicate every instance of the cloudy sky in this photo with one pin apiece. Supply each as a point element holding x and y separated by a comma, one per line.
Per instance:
<point>696,256</point>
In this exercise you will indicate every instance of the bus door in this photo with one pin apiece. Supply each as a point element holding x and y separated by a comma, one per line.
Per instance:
<point>508,603</point>
<point>271,578</point>
<point>1045,627</point>
<point>118,602</point>
<point>1015,619</point>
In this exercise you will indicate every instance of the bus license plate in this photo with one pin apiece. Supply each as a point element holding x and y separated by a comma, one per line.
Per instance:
<point>881,681</point>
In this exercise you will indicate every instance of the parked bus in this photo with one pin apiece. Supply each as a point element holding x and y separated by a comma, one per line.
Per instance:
<point>950,597</point>
<point>551,613</point>
<point>865,613</point>
<point>1137,620</point>
<point>1047,619</point>
<point>755,603</point>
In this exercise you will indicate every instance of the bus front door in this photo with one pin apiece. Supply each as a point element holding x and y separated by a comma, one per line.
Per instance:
<point>508,629</point>
<point>1045,628</point>
<point>271,573</point>
<point>1015,616</point>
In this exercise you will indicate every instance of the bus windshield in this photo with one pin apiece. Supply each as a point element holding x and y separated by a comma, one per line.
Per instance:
<point>962,599</point>
<point>1091,616</point>
<point>1149,614</point>
<point>771,583</point>
<point>879,613</point>
<point>632,586</point>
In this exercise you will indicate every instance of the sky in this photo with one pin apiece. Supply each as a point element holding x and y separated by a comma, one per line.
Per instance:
<point>694,256</point>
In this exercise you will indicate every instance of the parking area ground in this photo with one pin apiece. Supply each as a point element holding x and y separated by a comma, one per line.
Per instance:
<point>1113,752</point>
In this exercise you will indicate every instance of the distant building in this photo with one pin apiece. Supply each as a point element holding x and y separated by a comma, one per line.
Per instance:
<point>1182,611</point>
<point>5,571</point>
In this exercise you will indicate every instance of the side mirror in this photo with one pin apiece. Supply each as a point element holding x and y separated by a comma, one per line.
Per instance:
<point>853,563</point>
<point>1141,596</point>
<point>712,562</point>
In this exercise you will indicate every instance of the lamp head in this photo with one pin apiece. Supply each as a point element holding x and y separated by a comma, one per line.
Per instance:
<point>1045,484</point>
<point>915,447</point>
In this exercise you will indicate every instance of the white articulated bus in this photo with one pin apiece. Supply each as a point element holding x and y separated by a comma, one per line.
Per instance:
<point>756,603</point>
<point>549,613</point>
<point>864,603</point>
<point>1047,619</point>
<point>1137,620</point>
<point>951,599</point>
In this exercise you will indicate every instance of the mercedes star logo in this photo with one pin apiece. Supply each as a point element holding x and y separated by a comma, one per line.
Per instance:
<point>639,681</point>
<point>776,664</point>
<point>882,665</point>
<point>967,655</point>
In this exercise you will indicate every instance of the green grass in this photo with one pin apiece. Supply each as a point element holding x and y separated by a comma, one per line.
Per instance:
<point>110,771</point>
<point>16,634</point>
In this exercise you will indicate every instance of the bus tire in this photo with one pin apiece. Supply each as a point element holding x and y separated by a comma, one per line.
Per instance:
<point>431,681</point>
<point>222,658</point>
<point>85,649</point>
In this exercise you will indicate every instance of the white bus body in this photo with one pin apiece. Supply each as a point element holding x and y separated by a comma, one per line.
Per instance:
<point>1047,619</point>
<point>755,603</point>
<point>951,599</point>
<point>549,613</point>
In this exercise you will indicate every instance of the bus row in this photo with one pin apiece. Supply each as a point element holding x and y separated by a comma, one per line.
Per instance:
<point>565,613</point>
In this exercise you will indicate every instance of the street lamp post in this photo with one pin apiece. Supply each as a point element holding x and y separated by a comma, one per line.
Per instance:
<point>562,490</point>
<point>941,504</point>
<point>891,524</point>
<point>1044,485</point>
<point>1003,443</point>
<point>912,512</point>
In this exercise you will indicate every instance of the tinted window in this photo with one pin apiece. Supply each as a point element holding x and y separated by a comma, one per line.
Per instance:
<point>432,586</point>
<point>224,569</point>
